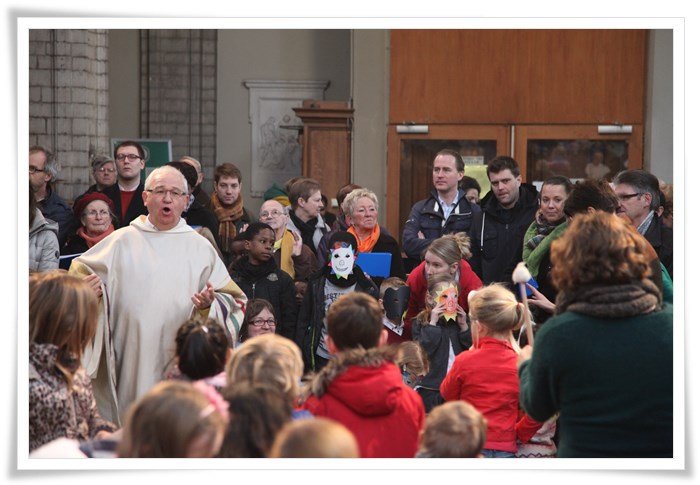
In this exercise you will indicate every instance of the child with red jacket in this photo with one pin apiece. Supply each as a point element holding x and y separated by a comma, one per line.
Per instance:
<point>361,387</point>
<point>486,376</point>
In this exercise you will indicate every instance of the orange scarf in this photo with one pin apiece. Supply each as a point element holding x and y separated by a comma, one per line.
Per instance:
<point>366,245</point>
<point>92,240</point>
<point>227,217</point>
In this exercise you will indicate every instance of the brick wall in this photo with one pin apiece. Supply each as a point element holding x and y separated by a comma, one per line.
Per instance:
<point>178,91</point>
<point>68,102</point>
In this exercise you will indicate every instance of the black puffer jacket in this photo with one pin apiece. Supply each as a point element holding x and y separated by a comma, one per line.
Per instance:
<point>312,312</point>
<point>497,235</point>
<point>270,283</point>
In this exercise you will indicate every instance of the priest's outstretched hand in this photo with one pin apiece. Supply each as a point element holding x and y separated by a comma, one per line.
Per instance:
<point>204,298</point>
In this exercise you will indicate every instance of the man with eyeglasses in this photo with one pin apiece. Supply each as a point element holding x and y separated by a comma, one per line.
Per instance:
<point>154,275</point>
<point>291,255</point>
<point>639,195</point>
<point>126,193</point>
<point>104,171</point>
<point>43,171</point>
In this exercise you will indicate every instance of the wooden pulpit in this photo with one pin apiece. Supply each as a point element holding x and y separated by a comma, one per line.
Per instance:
<point>325,139</point>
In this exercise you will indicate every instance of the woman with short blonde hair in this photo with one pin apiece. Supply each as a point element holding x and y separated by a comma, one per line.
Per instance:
<point>361,209</point>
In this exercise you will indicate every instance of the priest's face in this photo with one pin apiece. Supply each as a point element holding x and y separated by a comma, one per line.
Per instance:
<point>165,201</point>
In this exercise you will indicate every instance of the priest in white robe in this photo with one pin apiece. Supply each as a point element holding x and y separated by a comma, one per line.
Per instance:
<point>153,275</point>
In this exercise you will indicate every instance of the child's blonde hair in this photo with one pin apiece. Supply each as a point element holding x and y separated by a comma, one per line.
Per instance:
<point>315,438</point>
<point>454,429</point>
<point>166,421</point>
<point>496,308</point>
<point>268,360</point>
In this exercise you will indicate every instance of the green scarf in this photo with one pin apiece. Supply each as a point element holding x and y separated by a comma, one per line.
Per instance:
<point>533,257</point>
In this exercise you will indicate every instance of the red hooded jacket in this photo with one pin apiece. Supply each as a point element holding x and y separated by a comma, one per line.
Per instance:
<point>365,392</point>
<point>418,283</point>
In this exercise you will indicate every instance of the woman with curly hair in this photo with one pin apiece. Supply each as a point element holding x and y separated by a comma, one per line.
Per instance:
<point>605,360</point>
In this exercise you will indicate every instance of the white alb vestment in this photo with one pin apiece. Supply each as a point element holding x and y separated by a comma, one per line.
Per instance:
<point>148,278</point>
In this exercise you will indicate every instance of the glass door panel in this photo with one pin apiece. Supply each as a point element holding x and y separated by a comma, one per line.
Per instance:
<point>575,151</point>
<point>409,174</point>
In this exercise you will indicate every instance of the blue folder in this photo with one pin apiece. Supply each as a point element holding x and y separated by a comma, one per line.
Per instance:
<point>65,261</point>
<point>375,264</point>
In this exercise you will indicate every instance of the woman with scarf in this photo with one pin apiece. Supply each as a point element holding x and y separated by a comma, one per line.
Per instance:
<point>549,224</point>
<point>291,255</point>
<point>605,360</point>
<point>361,209</point>
<point>95,213</point>
<point>227,204</point>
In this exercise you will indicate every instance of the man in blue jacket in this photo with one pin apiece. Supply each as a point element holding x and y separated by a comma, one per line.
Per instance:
<point>446,211</point>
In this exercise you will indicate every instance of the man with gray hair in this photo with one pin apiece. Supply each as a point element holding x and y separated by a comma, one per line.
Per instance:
<point>639,195</point>
<point>43,171</point>
<point>104,171</point>
<point>154,275</point>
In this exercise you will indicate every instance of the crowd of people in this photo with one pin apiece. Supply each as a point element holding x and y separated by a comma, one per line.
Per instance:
<point>185,326</point>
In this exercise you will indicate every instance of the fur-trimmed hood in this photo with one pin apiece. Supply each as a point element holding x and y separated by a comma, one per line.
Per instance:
<point>366,381</point>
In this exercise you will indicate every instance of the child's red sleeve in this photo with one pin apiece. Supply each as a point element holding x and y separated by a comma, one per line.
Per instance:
<point>526,428</point>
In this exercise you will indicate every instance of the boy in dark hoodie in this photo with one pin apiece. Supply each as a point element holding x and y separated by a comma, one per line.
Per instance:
<point>338,277</point>
<point>258,276</point>
<point>361,387</point>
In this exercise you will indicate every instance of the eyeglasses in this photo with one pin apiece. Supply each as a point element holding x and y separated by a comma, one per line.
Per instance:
<point>35,170</point>
<point>132,157</point>
<point>103,170</point>
<point>272,213</point>
<point>93,213</point>
<point>628,196</point>
<point>260,322</point>
<point>160,192</point>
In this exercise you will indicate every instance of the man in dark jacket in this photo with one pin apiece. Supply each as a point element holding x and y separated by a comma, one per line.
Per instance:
<point>446,211</point>
<point>43,170</point>
<point>126,194</point>
<point>339,277</point>
<point>497,232</point>
<point>195,214</point>
<point>639,195</point>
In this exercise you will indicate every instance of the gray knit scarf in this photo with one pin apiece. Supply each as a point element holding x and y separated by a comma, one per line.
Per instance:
<point>611,301</point>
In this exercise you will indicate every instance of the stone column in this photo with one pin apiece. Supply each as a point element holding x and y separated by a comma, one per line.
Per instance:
<point>68,101</point>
